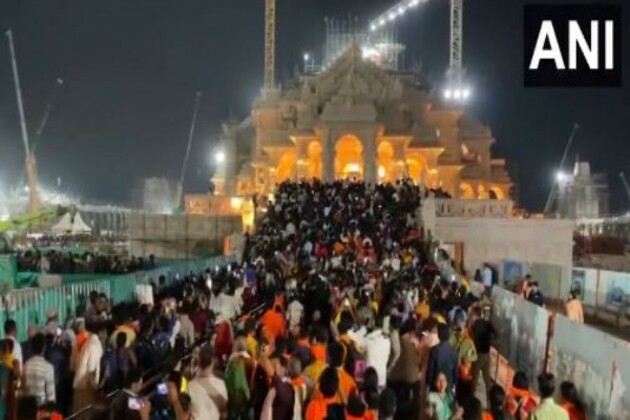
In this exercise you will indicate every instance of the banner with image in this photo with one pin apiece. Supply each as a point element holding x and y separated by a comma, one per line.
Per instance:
<point>597,363</point>
<point>614,288</point>
<point>549,278</point>
<point>522,331</point>
<point>512,272</point>
<point>584,281</point>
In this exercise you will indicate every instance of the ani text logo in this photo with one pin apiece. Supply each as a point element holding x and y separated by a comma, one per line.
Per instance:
<point>577,45</point>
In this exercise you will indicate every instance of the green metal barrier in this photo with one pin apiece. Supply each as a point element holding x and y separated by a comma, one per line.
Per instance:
<point>30,306</point>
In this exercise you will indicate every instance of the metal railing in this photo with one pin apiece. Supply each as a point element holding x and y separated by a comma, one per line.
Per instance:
<point>157,373</point>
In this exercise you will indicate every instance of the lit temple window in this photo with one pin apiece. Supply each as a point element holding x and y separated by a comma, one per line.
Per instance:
<point>353,168</point>
<point>381,172</point>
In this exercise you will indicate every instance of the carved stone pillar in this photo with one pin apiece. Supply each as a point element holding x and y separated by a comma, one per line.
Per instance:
<point>400,165</point>
<point>301,165</point>
<point>328,160</point>
<point>369,159</point>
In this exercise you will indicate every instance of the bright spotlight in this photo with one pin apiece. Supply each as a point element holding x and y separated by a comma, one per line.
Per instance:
<point>382,22</point>
<point>219,157</point>
<point>306,57</point>
<point>414,3</point>
<point>372,27</point>
<point>391,16</point>
<point>457,94</point>
<point>401,10</point>
<point>448,94</point>
<point>466,93</point>
<point>561,176</point>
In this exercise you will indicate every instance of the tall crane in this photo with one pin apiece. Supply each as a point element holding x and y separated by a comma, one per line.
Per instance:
<point>34,202</point>
<point>191,134</point>
<point>270,44</point>
<point>624,181</point>
<point>554,188</point>
<point>456,90</point>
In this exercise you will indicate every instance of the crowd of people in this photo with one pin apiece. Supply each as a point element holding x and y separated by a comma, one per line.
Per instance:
<point>359,323</point>
<point>69,262</point>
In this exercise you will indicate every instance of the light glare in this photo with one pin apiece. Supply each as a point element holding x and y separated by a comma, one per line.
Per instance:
<point>391,16</point>
<point>448,94</point>
<point>219,157</point>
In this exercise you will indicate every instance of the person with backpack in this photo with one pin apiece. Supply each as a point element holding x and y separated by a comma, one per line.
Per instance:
<point>238,375</point>
<point>118,363</point>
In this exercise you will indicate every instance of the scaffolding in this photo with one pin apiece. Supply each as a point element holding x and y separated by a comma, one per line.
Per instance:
<point>380,46</point>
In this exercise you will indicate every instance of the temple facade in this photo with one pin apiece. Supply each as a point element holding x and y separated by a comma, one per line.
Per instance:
<point>356,120</point>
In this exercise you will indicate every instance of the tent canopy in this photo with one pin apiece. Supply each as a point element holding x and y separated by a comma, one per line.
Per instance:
<point>71,226</point>
<point>63,226</point>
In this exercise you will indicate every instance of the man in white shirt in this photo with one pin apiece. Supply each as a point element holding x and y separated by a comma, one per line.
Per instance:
<point>295,311</point>
<point>208,393</point>
<point>87,373</point>
<point>39,374</point>
<point>487,276</point>
<point>377,351</point>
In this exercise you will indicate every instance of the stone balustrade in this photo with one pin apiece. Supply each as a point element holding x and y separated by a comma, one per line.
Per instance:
<point>454,207</point>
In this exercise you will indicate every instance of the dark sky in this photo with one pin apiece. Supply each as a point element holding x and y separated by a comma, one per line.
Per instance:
<point>131,69</point>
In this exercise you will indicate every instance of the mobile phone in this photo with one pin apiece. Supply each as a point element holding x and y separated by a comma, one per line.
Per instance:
<point>161,388</point>
<point>134,403</point>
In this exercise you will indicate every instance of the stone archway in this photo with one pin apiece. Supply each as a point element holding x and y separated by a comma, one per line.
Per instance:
<point>349,158</point>
<point>497,193</point>
<point>467,191</point>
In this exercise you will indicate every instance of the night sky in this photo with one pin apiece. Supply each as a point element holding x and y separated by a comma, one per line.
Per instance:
<point>131,69</point>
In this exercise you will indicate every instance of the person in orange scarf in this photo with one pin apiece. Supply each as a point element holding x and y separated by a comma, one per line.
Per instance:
<point>274,323</point>
<point>325,403</point>
<point>520,401</point>
<point>347,385</point>
<point>571,401</point>
<point>318,352</point>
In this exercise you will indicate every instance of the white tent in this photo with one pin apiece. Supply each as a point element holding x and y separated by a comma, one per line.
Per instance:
<point>79,226</point>
<point>63,226</point>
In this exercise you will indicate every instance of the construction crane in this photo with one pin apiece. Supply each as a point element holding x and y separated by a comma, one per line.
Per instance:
<point>191,133</point>
<point>270,45</point>
<point>624,181</point>
<point>554,188</point>
<point>31,163</point>
<point>456,90</point>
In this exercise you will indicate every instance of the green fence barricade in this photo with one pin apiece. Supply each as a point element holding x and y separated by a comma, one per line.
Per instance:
<point>30,306</point>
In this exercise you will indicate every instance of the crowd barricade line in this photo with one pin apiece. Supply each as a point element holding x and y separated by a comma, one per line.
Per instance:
<point>157,373</point>
<point>29,306</point>
<point>533,340</point>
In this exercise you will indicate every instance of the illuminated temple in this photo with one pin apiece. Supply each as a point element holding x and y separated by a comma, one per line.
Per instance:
<point>354,119</point>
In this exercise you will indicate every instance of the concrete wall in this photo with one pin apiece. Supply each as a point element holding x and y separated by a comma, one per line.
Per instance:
<point>180,236</point>
<point>533,241</point>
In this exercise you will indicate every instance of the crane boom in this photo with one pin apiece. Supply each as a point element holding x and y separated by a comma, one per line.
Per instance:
<point>456,39</point>
<point>625,184</point>
<point>31,163</point>
<point>191,133</point>
<point>270,44</point>
<point>554,187</point>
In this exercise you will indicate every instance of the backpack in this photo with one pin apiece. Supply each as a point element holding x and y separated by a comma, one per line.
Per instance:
<point>237,383</point>
<point>116,368</point>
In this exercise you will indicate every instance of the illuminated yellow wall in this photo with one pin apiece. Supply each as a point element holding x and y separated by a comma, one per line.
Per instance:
<point>286,166</point>
<point>348,157</point>
<point>314,160</point>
